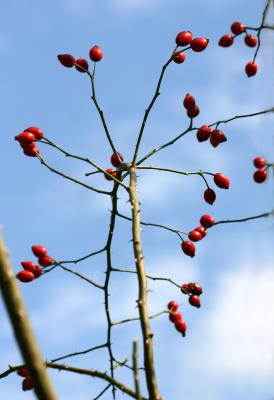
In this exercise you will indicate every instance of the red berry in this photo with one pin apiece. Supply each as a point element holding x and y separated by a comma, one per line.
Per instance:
<point>39,251</point>
<point>199,44</point>
<point>193,112</point>
<point>226,40</point>
<point>175,316</point>
<point>181,327</point>
<point>23,372</point>
<point>179,57</point>
<point>251,68</point>
<point>260,175</point>
<point>195,288</point>
<point>29,147</point>
<point>207,221</point>
<point>27,383</point>
<point>188,248</point>
<point>203,133</point>
<point>173,305</point>
<point>194,300</point>
<point>221,180</point>
<point>195,236</point>
<point>183,38</point>
<point>38,133</point>
<point>25,137</point>
<point>189,101</point>
<point>96,53</point>
<point>45,261</point>
<point>202,231</point>
<point>28,266</point>
<point>250,40</point>
<point>218,136</point>
<point>25,276</point>
<point>185,288</point>
<point>112,172</point>
<point>213,142</point>
<point>237,28</point>
<point>38,271</point>
<point>31,151</point>
<point>66,60</point>
<point>259,162</point>
<point>209,196</point>
<point>115,161</point>
<point>81,65</point>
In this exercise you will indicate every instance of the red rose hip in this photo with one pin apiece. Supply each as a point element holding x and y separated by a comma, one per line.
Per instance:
<point>193,112</point>
<point>27,383</point>
<point>28,266</point>
<point>195,236</point>
<point>259,162</point>
<point>175,316</point>
<point>188,248</point>
<point>207,221</point>
<point>203,133</point>
<point>173,305</point>
<point>199,44</point>
<point>179,57</point>
<point>202,230</point>
<point>260,175</point>
<point>115,161</point>
<point>250,40</point>
<point>181,327</point>
<point>251,68</point>
<point>38,133</point>
<point>25,276</point>
<point>221,180</point>
<point>183,38</point>
<point>39,251</point>
<point>237,28</point>
<point>81,65</point>
<point>23,372</point>
<point>96,53</point>
<point>112,172</point>
<point>25,138</point>
<point>67,60</point>
<point>189,101</point>
<point>194,300</point>
<point>45,261</point>
<point>226,40</point>
<point>218,136</point>
<point>209,196</point>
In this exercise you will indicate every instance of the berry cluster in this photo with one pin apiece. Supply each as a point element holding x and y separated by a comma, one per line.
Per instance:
<point>185,39</point>
<point>27,383</point>
<point>197,234</point>
<point>237,28</point>
<point>27,140</point>
<point>32,271</point>
<point>216,136</point>
<point>116,160</point>
<point>193,290</point>
<point>260,175</point>
<point>81,64</point>
<point>176,317</point>
<point>221,181</point>
<point>190,105</point>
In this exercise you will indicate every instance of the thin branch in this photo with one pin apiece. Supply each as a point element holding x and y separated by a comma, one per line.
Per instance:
<point>102,392</point>
<point>154,278</point>
<point>225,121</point>
<point>124,321</point>
<point>22,329</point>
<point>156,94</point>
<point>72,179</point>
<point>83,258</point>
<point>78,353</point>
<point>135,368</point>
<point>176,171</point>
<point>81,276</point>
<point>264,215</point>
<point>177,231</point>
<point>100,112</point>
<point>261,28</point>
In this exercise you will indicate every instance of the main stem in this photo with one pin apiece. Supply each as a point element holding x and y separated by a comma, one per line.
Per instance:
<point>142,299</point>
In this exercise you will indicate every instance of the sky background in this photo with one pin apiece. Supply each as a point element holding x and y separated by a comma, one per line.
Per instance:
<point>228,352</point>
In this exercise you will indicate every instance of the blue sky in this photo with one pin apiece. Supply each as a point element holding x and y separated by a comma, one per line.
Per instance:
<point>228,351</point>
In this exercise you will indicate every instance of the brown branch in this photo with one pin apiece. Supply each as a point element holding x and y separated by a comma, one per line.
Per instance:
<point>135,368</point>
<point>98,374</point>
<point>154,278</point>
<point>142,298</point>
<point>22,329</point>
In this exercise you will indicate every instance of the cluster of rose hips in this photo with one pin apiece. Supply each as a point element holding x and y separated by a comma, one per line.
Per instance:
<point>185,39</point>
<point>237,28</point>
<point>260,175</point>
<point>221,181</point>
<point>176,317</point>
<point>81,64</point>
<point>193,290</point>
<point>32,271</point>
<point>190,105</point>
<point>197,234</point>
<point>27,140</point>
<point>216,136</point>
<point>27,383</point>
<point>116,160</point>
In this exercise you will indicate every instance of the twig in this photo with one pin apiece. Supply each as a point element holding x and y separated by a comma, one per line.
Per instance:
<point>264,215</point>
<point>78,353</point>
<point>135,368</point>
<point>123,321</point>
<point>81,276</point>
<point>154,278</point>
